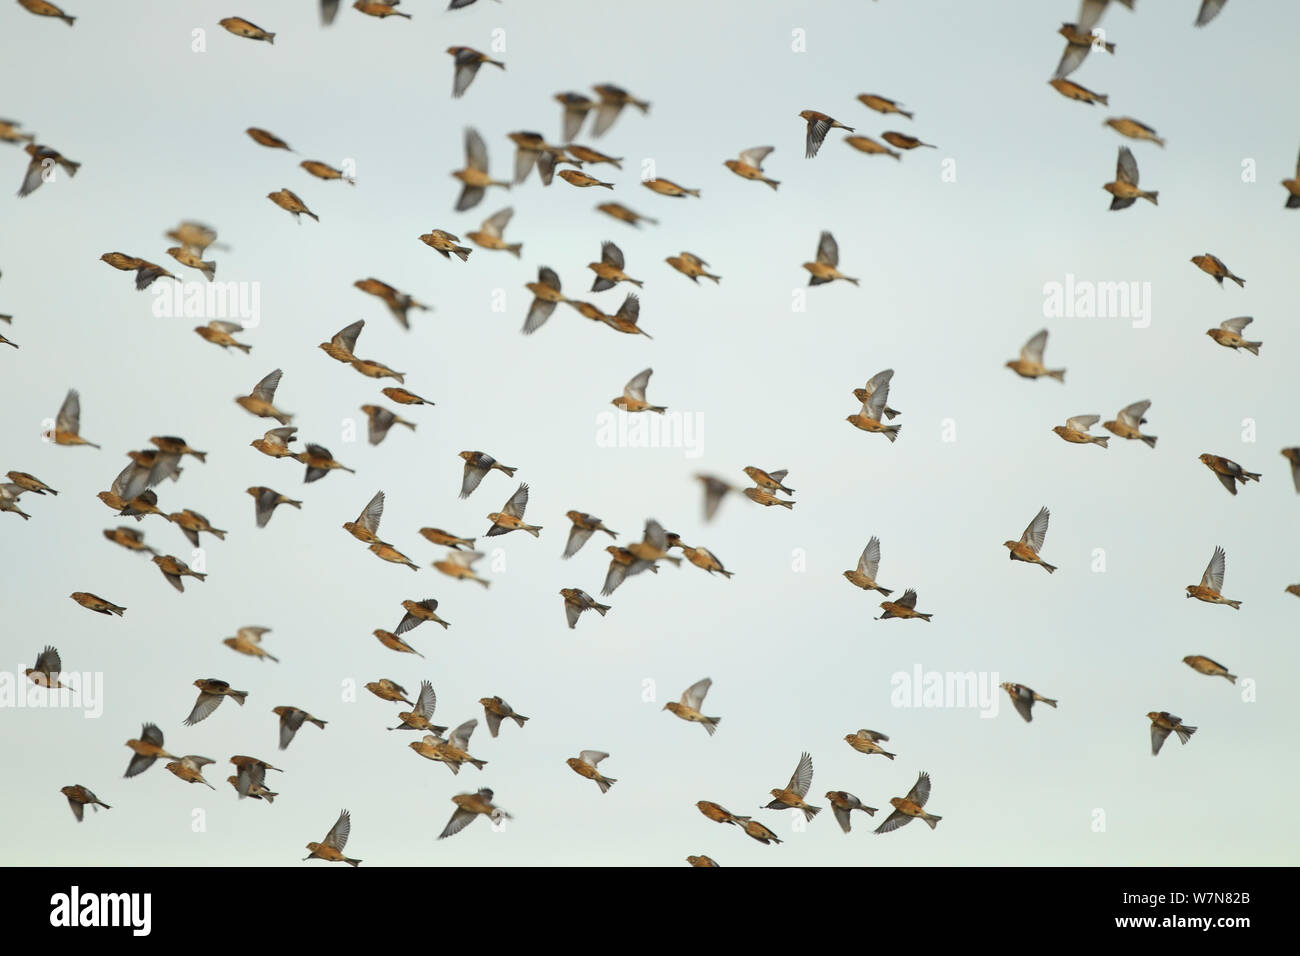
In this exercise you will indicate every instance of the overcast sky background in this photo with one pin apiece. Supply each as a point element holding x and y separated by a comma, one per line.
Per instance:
<point>952,284</point>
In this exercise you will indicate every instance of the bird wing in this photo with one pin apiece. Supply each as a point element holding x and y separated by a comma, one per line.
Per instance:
<point>518,502</point>
<point>338,835</point>
<point>828,250</point>
<point>578,536</point>
<point>908,599</point>
<point>265,389</point>
<point>1213,577</point>
<point>920,791</point>
<point>1126,168</point>
<point>426,702</point>
<point>755,155</point>
<point>1082,423</point>
<point>611,255</point>
<point>635,389</point>
<point>893,822</point>
<point>459,821</point>
<point>694,695</point>
<point>372,513</point>
<point>347,337</point>
<point>1132,414</point>
<point>1037,530</point>
<point>869,563</point>
<point>801,779</point>
<point>1032,351</point>
<point>495,224</point>
<point>1237,324</point>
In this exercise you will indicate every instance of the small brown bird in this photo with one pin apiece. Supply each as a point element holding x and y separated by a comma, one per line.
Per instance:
<point>9,494</point>
<point>715,489</point>
<point>258,792</point>
<point>379,420</point>
<point>903,141</point>
<point>248,641</point>
<point>767,499</point>
<point>623,214</point>
<point>379,8</point>
<point>633,398</point>
<point>689,707</point>
<point>366,527</point>
<point>1203,665</point>
<point>531,149</point>
<point>904,607</point>
<point>251,775</point>
<point>584,526</point>
<point>609,270</point>
<point>129,538</point>
<point>331,848</point>
<point>438,536</point>
<point>459,564</point>
<point>576,601</point>
<point>909,807</point>
<point>1290,454</point>
<point>1073,91</point>
<point>495,710</point>
<point>871,417</point>
<point>867,742</point>
<point>417,718</point>
<point>288,200</point>
<point>211,693</point>
<point>190,769</point>
<point>750,165</point>
<point>220,332</point>
<point>575,177</point>
<point>48,667</point>
<point>1292,188</point>
<point>653,546</point>
<point>489,234</point>
<point>826,267</point>
<point>386,689</point>
<point>1212,582</point>
<point>192,523</point>
<point>1213,266</point>
<point>399,303</point>
<point>243,28</point>
<point>843,804</point>
<point>40,169</point>
<point>79,797</point>
<point>1127,126</point>
<point>1228,334</point>
<point>576,106</point>
<point>172,445</point>
<point>612,101</point>
<point>882,105</point>
<point>1124,188</point>
<point>394,643</point>
<point>194,261</point>
<point>469,806</point>
<point>623,563</point>
<point>467,62</point>
<point>342,345</point>
<point>386,552</point>
<point>9,132</point>
<point>173,569</point>
<point>93,602</point>
<point>1162,724</point>
<point>319,462</point>
<point>147,749</point>
<point>261,402</point>
<point>584,765</point>
<point>701,861</point>
<point>1023,699</point>
<point>692,266</point>
<point>43,8</point>
<point>67,426</point>
<point>1127,422</point>
<point>588,155</point>
<point>1075,430</point>
<point>325,171</point>
<point>701,558</point>
<point>1030,363</point>
<point>625,319</point>
<point>275,443</point>
<point>819,124</point>
<point>453,752</point>
<point>403,397</point>
<point>666,187</point>
<point>417,612</point>
<point>511,516</point>
<point>756,830</point>
<point>772,481</point>
<point>446,244</point>
<point>1031,542</point>
<point>864,576</point>
<point>718,813</point>
<point>865,144</point>
<point>546,295</point>
<point>267,138</point>
<point>792,795</point>
<point>266,500</point>
<point>1079,43</point>
<point>1228,471</point>
<point>474,175</point>
<point>291,718</point>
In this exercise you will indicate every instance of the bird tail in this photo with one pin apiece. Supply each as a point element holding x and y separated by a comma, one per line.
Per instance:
<point>308,212</point>
<point>1101,440</point>
<point>1237,279</point>
<point>1184,732</point>
<point>268,796</point>
<point>1150,440</point>
<point>200,455</point>
<point>599,609</point>
<point>318,722</point>
<point>1152,196</point>
<point>904,113</point>
<point>1232,678</point>
<point>462,252</point>
<point>119,611</point>
<point>1252,347</point>
<point>201,575</point>
<point>478,763</point>
<point>238,696</point>
<point>692,192</point>
<point>1251,475</point>
<point>1047,701</point>
<point>725,573</point>
<point>518,719</point>
<point>885,591</point>
<point>924,617</point>
<point>290,501</point>
<point>658,408</point>
<point>790,504</point>
<point>886,753</point>
<point>892,432</point>
<point>610,186</point>
<point>1050,567</point>
<point>810,812</point>
<point>605,783</point>
<point>271,656</point>
<point>1057,373</point>
<point>351,862</point>
<point>514,249</point>
<point>773,183</point>
<point>410,425</point>
<point>1103,99</point>
<point>931,819</point>
<point>510,472</point>
<point>1158,141</point>
<point>711,724</point>
<point>221,535</point>
<point>533,529</point>
<point>245,348</point>
<point>1235,605</point>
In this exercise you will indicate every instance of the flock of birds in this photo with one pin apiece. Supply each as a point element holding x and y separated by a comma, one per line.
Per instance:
<point>132,493</point>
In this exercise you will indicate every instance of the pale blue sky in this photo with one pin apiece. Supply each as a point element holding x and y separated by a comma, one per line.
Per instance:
<point>952,278</point>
